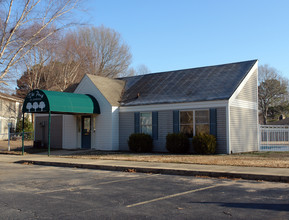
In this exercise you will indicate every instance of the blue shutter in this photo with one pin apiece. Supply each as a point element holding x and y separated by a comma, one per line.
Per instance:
<point>136,122</point>
<point>176,121</point>
<point>213,121</point>
<point>155,125</point>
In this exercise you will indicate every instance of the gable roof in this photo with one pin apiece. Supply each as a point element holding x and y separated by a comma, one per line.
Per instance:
<point>190,85</point>
<point>10,97</point>
<point>111,89</point>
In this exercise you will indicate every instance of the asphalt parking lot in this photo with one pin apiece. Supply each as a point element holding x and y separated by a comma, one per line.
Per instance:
<point>41,192</point>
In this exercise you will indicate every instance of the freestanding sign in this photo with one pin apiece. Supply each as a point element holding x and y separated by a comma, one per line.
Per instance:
<point>36,102</point>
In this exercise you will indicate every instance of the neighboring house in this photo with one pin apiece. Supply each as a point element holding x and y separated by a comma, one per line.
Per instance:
<point>221,100</point>
<point>282,121</point>
<point>10,112</point>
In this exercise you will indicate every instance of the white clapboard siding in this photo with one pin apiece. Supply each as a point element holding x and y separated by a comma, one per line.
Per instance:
<point>115,128</point>
<point>249,92</point>
<point>102,136</point>
<point>70,132</point>
<point>243,115</point>
<point>244,129</point>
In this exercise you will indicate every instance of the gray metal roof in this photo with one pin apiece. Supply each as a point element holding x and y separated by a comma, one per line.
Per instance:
<point>189,85</point>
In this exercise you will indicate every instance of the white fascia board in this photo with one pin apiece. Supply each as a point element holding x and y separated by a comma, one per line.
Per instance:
<point>78,87</point>
<point>243,83</point>
<point>228,130</point>
<point>113,108</point>
<point>175,106</point>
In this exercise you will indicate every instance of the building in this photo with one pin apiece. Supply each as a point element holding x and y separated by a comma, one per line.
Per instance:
<point>221,100</point>
<point>10,112</point>
<point>282,121</point>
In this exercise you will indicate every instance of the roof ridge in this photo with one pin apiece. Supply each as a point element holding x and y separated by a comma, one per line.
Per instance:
<point>179,70</point>
<point>104,77</point>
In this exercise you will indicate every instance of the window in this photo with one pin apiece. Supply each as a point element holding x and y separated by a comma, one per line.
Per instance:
<point>146,123</point>
<point>187,123</point>
<point>202,122</point>
<point>86,125</point>
<point>194,122</point>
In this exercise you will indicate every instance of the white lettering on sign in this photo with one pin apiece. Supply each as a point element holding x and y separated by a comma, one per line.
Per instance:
<point>35,95</point>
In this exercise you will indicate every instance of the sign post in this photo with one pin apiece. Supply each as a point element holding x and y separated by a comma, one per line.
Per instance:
<point>9,127</point>
<point>23,133</point>
<point>49,122</point>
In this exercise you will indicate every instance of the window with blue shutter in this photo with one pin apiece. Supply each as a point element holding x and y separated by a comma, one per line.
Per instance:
<point>146,122</point>
<point>213,121</point>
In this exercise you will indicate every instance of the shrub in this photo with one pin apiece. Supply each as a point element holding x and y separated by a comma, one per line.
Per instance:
<point>177,143</point>
<point>140,143</point>
<point>28,128</point>
<point>204,144</point>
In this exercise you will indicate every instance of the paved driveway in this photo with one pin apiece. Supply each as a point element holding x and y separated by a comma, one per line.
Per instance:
<point>31,192</point>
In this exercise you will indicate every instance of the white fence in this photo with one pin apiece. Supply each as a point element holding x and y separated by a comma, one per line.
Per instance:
<point>274,138</point>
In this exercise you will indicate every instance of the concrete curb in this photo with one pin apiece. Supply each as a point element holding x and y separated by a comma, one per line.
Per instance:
<point>182,172</point>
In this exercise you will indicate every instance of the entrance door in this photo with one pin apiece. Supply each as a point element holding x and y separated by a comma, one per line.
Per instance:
<point>86,132</point>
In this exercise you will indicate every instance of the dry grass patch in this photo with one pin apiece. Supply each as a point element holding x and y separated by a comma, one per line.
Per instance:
<point>256,159</point>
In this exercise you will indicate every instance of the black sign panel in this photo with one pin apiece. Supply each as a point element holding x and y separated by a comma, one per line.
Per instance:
<point>35,102</point>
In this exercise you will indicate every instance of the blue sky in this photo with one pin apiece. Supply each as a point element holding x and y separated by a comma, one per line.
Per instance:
<point>178,34</point>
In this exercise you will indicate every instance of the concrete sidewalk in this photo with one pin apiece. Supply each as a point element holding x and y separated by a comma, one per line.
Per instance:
<point>250,173</point>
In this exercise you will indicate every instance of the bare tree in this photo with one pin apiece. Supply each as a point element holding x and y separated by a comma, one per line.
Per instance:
<point>51,65</point>
<point>65,74</point>
<point>102,51</point>
<point>142,69</point>
<point>69,69</point>
<point>272,91</point>
<point>267,72</point>
<point>38,74</point>
<point>26,24</point>
<point>139,70</point>
<point>57,63</point>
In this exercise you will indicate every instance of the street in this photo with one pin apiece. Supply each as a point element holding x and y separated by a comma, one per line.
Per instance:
<point>41,192</point>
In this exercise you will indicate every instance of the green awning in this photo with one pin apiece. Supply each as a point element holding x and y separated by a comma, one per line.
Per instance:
<point>42,101</point>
